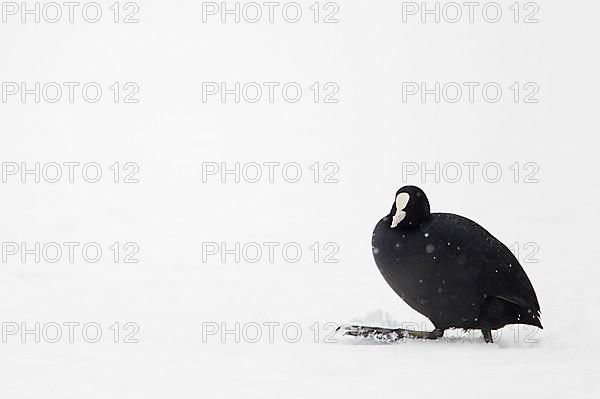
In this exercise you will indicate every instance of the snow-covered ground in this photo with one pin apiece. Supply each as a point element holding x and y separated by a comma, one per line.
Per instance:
<point>180,316</point>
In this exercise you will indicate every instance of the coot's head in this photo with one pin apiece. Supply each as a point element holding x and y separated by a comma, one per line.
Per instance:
<point>410,209</point>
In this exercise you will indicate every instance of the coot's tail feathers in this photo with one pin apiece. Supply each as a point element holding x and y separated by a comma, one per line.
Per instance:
<point>500,311</point>
<point>537,322</point>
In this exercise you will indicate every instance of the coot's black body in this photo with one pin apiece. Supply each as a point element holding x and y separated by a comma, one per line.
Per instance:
<point>450,269</point>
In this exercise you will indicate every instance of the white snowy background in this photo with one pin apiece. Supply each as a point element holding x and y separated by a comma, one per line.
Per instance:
<point>171,293</point>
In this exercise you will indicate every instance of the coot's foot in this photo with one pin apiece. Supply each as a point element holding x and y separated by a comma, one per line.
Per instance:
<point>388,334</point>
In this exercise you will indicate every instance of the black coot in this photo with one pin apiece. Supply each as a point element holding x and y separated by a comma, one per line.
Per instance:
<point>450,269</point>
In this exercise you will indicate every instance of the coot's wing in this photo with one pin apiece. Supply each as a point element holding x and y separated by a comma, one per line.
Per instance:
<point>500,273</point>
<point>511,283</point>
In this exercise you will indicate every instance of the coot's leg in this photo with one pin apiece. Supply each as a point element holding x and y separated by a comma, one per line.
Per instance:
<point>487,335</point>
<point>435,334</point>
<point>389,334</point>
